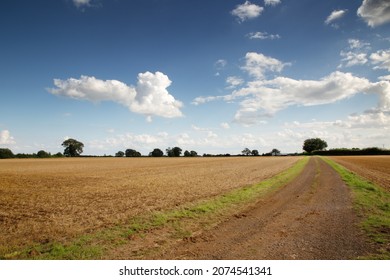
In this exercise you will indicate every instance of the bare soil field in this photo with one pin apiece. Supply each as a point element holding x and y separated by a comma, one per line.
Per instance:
<point>373,168</point>
<point>59,199</point>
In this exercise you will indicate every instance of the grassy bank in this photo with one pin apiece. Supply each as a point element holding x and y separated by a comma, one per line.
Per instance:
<point>372,204</point>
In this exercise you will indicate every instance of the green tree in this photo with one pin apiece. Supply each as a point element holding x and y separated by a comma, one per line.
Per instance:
<point>275,152</point>
<point>187,154</point>
<point>174,152</point>
<point>157,153</point>
<point>6,153</point>
<point>194,154</point>
<point>43,154</point>
<point>73,148</point>
<point>120,154</point>
<point>255,152</point>
<point>132,153</point>
<point>246,152</point>
<point>314,144</point>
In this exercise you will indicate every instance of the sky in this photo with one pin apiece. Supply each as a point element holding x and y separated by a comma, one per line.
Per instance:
<point>214,76</point>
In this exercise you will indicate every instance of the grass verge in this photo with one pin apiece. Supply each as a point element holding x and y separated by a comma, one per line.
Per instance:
<point>173,224</point>
<point>373,205</point>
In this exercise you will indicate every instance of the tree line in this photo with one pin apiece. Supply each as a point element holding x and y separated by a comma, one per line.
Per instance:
<point>312,146</point>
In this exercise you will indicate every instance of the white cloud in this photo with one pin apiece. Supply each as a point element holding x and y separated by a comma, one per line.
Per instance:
<point>263,36</point>
<point>353,58</point>
<point>150,96</point>
<point>375,12</point>
<point>335,15</point>
<point>263,98</point>
<point>272,2</point>
<point>384,78</point>
<point>6,138</point>
<point>225,125</point>
<point>234,81</point>
<point>358,44</point>
<point>356,53</point>
<point>257,64</point>
<point>381,59</point>
<point>247,11</point>
<point>220,63</point>
<point>81,3</point>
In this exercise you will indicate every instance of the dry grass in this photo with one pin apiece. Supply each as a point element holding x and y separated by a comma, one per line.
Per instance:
<point>373,168</point>
<point>57,199</point>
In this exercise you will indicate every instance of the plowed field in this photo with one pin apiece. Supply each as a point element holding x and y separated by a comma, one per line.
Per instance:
<point>50,200</point>
<point>373,168</point>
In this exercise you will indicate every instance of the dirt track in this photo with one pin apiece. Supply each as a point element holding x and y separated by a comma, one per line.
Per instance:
<point>310,218</point>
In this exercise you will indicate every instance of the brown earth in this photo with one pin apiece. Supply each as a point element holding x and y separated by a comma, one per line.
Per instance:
<point>46,200</point>
<point>310,218</point>
<point>373,168</point>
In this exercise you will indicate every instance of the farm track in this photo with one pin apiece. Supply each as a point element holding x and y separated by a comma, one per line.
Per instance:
<point>310,218</point>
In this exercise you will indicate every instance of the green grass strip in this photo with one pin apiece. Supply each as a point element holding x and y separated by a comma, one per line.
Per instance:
<point>94,245</point>
<point>372,204</point>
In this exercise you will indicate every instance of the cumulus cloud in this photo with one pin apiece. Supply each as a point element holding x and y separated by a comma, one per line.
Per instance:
<point>263,36</point>
<point>6,138</point>
<point>272,2</point>
<point>263,98</point>
<point>257,64</point>
<point>375,12</point>
<point>381,59</point>
<point>150,97</point>
<point>247,11</point>
<point>335,15</point>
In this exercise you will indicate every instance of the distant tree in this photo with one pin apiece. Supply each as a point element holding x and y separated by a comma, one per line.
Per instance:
<point>194,154</point>
<point>73,148</point>
<point>6,153</point>
<point>58,155</point>
<point>275,152</point>
<point>120,154</point>
<point>255,152</point>
<point>132,153</point>
<point>314,144</point>
<point>174,152</point>
<point>157,153</point>
<point>43,154</point>
<point>246,152</point>
<point>187,154</point>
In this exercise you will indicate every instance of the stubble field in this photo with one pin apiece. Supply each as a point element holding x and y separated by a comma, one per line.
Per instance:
<point>50,200</point>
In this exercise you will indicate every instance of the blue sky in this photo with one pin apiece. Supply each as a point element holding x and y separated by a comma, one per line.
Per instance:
<point>211,76</point>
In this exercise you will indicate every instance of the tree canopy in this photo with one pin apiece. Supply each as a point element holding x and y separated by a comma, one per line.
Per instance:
<point>73,148</point>
<point>132,153</point>
<point>174,152</point>
<point>157,153</point>
<point>314,144</point>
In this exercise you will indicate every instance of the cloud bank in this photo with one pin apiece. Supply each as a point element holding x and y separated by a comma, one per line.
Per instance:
<point>150,97</point>
<point>263,97</point>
